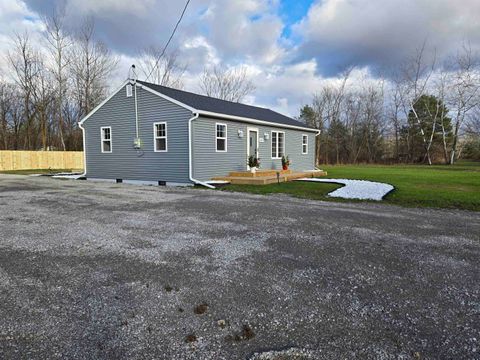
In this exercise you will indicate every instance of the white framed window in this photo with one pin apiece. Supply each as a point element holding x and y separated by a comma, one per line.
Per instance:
<point>304,144</point>
<point>106,136</point>
<point>278,144</point>
<point>220,137</point>
<point>160,137</point>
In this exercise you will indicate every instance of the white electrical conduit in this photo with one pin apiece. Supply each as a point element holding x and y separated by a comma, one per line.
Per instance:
<point>136,109</point>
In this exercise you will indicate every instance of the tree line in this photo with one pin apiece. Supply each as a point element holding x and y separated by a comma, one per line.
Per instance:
<point>50,84</point>
<point>421,112</point>
<point>424,113</point>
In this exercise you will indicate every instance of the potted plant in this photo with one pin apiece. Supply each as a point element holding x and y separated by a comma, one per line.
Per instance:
<point>253,163</point>
<point>285,162</point>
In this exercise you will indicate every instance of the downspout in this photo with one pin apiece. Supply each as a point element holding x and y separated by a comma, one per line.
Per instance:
<point>84,150</point>
<point>190,162</point>
<point>315,161</point>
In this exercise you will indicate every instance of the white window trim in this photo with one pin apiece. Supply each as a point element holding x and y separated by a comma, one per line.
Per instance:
<point>225,138</point>
<point>102,139</point>
<point>306,144</point>
<point>155,137</point>
<point>276,148</point>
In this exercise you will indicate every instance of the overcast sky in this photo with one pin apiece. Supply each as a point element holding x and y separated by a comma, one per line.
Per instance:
<point>290,47</point>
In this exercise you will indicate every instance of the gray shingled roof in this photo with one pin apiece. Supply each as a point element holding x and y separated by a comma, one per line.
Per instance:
<point>206,103</point>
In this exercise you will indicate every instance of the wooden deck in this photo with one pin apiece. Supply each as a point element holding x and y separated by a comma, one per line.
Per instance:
<point>264,177</point>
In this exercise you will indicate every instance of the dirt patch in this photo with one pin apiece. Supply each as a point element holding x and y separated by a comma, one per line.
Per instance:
<point>201,309</point>
<point>245,334</point>
<point>191,338</point>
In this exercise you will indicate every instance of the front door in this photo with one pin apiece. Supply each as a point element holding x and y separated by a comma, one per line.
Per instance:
<point>253,143</point>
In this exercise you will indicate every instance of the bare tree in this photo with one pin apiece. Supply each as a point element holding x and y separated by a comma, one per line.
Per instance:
<point>7,102</point>
<point>464,92</point>
<point>473,124</point>
<point>416,76</point>
<point>44,98</point>
<point>442,89</point>
<point>164,69</point>
<point>26,66</point>
<point>71,116</point>
<point>373,125</point>
<point>59,42</point>
<point>330,101</point>
<point>226,84</point>
<point>394,110</point>
<point>319,111</point>
<point>91,65</point>
<point>335,117</point>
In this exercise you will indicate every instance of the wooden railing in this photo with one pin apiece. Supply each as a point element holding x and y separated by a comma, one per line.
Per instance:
<point>24,160</point>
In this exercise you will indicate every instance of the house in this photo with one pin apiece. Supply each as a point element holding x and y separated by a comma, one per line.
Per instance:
<point>154,134</point>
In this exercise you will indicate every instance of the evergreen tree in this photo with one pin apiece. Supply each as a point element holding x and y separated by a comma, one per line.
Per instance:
<point>429,114</point>
<point>308,116</point>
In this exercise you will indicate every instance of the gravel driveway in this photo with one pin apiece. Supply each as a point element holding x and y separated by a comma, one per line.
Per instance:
<point>97,270</point>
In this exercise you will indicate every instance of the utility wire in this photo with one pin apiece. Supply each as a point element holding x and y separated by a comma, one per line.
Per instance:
<point>169,39</point>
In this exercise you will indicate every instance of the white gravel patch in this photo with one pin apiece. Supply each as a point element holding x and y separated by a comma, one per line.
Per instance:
<point>356,189</point>
<point>73,176</point>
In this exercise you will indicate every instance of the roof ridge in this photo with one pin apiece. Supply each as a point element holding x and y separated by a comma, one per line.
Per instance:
<point>205,96</point>
<point>215,105</point>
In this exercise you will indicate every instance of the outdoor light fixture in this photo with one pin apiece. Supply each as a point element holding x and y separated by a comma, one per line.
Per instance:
<point>240,133</point>
<point>265,136</point>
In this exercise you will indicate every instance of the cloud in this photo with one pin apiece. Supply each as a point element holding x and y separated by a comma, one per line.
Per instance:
<point>288,63</point>
<point>126,26</point>
<point>15,17</point>
<point>378,33</point>
<point>287,88</point>
<point>249,29</point>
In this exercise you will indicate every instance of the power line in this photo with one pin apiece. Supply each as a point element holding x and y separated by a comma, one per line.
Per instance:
<point>169,39</point>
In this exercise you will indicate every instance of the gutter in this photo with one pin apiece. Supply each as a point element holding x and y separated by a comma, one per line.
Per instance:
<point>253,121</point>
<point>190,162</point>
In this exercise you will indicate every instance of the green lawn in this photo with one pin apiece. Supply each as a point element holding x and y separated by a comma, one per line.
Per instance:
<point>35,171</point>
<point>455,187</point>
<point>295,188</point>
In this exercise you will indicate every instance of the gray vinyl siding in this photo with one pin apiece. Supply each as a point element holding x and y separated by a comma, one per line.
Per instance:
<point>125,162</point>
<point>208,163</point>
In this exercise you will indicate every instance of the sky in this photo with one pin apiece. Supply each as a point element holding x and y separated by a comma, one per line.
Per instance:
<point>289,47</point>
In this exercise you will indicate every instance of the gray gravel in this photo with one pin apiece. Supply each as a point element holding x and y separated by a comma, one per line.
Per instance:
<point>96,271</point>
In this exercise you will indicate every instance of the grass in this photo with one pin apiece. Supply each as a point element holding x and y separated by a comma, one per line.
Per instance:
<point>438,186</point>
<point>299,189</point>
<point>35,171</point>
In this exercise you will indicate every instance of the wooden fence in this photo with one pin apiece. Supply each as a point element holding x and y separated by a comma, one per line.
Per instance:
<point>24,160</point>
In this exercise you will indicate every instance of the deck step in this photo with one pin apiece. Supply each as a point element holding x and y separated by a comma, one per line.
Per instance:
<point>259,173</point>
<point>264,180</point>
